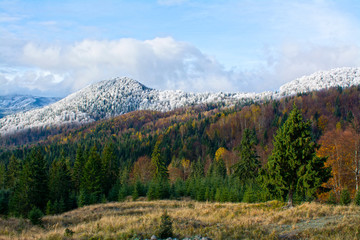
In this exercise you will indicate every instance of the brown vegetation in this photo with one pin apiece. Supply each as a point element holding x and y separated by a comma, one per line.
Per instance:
<point>218,221</point>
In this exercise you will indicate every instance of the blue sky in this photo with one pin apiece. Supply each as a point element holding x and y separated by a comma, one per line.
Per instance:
<point>53,48</point>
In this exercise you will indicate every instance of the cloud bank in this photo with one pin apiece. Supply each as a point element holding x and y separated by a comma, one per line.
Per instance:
<point>161,63</point>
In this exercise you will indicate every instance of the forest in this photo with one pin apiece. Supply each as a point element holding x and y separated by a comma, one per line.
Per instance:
<point>207,153</point>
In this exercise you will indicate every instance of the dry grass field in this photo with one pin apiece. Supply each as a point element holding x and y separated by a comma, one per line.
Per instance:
<point>140,220</point>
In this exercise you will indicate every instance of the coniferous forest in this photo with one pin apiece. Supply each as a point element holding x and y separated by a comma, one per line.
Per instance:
<point>296,149</point>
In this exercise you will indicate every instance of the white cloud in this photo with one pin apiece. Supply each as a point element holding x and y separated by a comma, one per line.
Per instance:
<point>161,63</point>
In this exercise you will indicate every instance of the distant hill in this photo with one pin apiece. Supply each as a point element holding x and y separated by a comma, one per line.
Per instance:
<point>12,104</point>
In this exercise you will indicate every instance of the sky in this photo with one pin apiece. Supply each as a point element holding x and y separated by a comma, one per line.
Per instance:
<point>54,48</point>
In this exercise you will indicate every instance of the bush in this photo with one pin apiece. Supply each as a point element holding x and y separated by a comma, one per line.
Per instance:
<point>35,216</point>
<point>332,198</point>
<point>345,197</point>
<point>357,198</point>
<point>165,228</point>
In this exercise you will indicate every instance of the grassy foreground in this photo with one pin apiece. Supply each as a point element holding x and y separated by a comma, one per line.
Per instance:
<point>215,220</point>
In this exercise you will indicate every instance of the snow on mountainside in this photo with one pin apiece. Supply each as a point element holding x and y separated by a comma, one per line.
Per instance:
<point>121,95</point>
<point>343,77</point>
<point>17,103</point>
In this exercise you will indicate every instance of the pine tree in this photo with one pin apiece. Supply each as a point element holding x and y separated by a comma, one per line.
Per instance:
<point>2,175</point>
<point>38,181</point>
<point>161,171</point>
<point>247,167</point>
<point>32,188</point>
<point>165,229</point>
<point>12,173</point>
<point>109,167</point>
<point>79,163</point>
<point>197,169</point>
<point>59,181</point>
<point>293,165</point>
<point>91,180</point>
<point>219,169</point>
<point>345,198</point>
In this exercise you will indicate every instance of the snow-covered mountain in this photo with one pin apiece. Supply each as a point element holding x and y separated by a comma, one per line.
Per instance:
<point>343,77</point>
<point>121,95</point>
<point>12,104</point>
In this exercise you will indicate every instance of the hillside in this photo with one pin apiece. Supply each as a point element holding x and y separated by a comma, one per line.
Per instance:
<point>121,95</point>
<point>141,220</point>
<point>199,148</point>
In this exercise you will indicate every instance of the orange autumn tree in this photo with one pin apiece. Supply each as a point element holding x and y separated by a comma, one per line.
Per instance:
<point>342,147</point>
<point>143,169</point>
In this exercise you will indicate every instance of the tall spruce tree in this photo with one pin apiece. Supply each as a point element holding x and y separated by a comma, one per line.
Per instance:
<point>161,172</point>
<point>293,165</point>
<point>91,181</point>
<point>109,167</point>
<point>247,167</point>
<point>78,168</point>
<point>12,173</point>
<point>59,181</point>
<point>32,188</point>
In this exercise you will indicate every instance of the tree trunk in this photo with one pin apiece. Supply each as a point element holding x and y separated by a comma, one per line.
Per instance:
<point>290,201</point>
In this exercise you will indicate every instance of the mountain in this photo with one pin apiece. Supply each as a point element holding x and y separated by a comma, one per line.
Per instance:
<point>342,77</point>
<point>12,104</point>
<point>121,95</point>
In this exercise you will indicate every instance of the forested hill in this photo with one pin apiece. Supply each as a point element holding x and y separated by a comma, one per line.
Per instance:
<point>113,158</point>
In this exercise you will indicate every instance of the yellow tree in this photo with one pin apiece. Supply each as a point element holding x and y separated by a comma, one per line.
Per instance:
<point>341,148</point>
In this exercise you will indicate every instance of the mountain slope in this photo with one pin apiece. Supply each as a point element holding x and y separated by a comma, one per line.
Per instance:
<point>121,95</point>
<point>12,104</point>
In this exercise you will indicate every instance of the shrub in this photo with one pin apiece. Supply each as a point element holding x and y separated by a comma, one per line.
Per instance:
<point>345,197</point>
<point>35,216</point>
<point>332,198</point>
<point>165,228</point>
<point>357,198</point>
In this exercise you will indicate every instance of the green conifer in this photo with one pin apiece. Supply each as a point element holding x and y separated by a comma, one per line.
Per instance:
<point>247,167</point>
<point>293,165</point>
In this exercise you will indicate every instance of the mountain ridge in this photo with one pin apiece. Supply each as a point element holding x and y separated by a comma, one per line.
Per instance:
<point>117,96</point>
<point>11,104</point>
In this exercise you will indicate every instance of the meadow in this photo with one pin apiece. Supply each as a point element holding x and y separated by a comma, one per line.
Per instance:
<point>141,219</point>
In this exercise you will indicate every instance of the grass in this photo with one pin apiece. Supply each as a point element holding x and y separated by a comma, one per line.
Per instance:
<point>140,220</point>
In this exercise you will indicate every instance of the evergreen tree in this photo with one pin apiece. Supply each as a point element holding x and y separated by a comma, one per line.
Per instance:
<point>293,165</point>
<point>345,198</point>
<point>32,188</point>
<point>109,167</point>
<point>79,164</point>
<point>4,201</point>
<point>161,171</point>
<point>49,208</point>
<point>91,180</point>
<point>2,175</point>
<point>219,169</point>
<point>197,169</point>
<point>59,181</point>
<point>247,167</point>
<point>38,180</point>
<point>165,229</point>
<point>12,173</point>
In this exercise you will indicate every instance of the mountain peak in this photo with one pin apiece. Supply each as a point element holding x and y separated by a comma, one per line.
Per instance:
<point>122,82</point>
